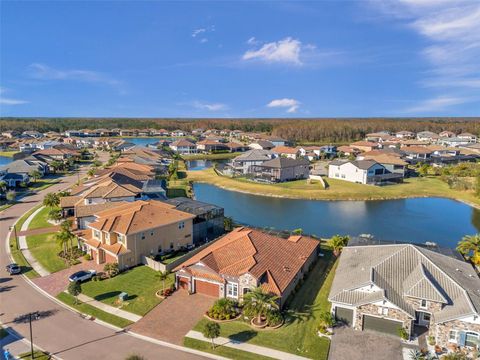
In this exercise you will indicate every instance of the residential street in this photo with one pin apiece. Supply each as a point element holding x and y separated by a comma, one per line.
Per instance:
<point>61,331</point>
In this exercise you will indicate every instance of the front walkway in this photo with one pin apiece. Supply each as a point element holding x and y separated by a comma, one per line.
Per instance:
<point>174,317</point>
<point>260,350</point>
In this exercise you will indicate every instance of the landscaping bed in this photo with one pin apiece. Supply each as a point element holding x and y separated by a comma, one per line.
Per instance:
<point>299,333</point>
<point>140,283</point>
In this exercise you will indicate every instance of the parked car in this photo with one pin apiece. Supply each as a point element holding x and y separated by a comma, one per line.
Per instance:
<point>13,269</point>
<point>82,275</point>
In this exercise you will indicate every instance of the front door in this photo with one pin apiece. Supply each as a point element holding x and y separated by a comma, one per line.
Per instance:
<point>423,318</point>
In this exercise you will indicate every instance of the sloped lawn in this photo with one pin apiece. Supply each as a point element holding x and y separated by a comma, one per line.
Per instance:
<point>298,336</point>
<point>40,220</point>
<point>45,249</point>
<point>140,283</point>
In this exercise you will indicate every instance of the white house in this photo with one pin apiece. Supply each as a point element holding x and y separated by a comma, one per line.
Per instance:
<point>361,172</point>
<point>183,146</point>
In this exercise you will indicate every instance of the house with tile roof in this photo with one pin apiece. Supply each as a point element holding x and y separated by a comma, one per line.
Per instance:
<point>128,233</point>
<point>387,287</point>
<point>246,258</point>
<point>183,146</point>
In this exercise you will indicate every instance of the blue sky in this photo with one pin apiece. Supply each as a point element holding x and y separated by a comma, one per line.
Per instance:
<point>240,59</point>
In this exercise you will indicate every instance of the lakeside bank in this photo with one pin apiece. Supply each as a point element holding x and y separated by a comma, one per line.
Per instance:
<point>421,187</point>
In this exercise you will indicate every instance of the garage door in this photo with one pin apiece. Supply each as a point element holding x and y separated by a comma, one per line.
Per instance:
<point>344,315</point>
<point>183,283</point>
<point>206,288</point>
<point>381,325</point>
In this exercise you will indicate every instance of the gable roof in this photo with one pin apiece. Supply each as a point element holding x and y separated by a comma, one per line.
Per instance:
<point>272,260</point>
<point>255,155</point>
<point>282,163</point>
<point>407,270</point>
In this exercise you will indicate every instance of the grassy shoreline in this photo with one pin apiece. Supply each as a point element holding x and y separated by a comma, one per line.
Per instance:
<point>221,156</point>
<point>8,153</point>
<point>338,189</point>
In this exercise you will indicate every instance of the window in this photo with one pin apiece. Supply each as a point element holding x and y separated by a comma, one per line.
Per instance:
<point>343,176</point>
<point>181,225</point>
<point>171,245</point>
<point>107,236</point>
<point>471,339</point>
<point>232,290</point>
<point>426,317</point>
<point>423,303</point>
<point>452,336</point>
<point>121,238</point>
<point>151,233</point>
<point>96,233</point>
<point>143,236</point>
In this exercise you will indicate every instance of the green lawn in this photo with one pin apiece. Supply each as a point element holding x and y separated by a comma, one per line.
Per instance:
<point>222,350</point>
<point>221,156</point>
<point>42,184</point>
<point>298,335</point>
<point>37,355</point>
<point>17,254</point>
<point>93,311</point>
<point>40,220</point>
<point>8,153</point>
<point>140,283</point>
<point>45,249</point>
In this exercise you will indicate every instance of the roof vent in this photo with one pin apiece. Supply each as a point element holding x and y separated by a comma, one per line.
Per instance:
<point>286,269</point>
<point>457,269</point>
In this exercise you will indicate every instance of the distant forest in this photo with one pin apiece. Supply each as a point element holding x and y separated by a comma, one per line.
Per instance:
<point>334,130</point>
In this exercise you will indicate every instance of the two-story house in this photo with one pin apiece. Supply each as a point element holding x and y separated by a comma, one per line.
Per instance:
<point>362,172</point>
<point>243,259</point>
<point>183,146</point>
<point>388,287</point>
<point>129,232</point>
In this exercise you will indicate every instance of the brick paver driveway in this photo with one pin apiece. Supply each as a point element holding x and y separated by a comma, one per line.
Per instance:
<point>359,345</point>
<point>174,317</point>
<point>57,282</point>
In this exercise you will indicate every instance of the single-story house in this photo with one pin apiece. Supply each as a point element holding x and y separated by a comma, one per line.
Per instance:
<point>262,145</point>
<point>243,259</point>
<point>388,287</point>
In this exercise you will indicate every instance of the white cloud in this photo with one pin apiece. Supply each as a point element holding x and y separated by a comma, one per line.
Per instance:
<point>451,31</point>
<point>9,101</point>
<point>282,51</point>
<point>45,72</point>
<point>438,103</point>
<point>209,106</point>
<point>203,31</point>
<point>252,41</point>
<point>203,40</point>
<point>292,105</point>
<point>197,32</point>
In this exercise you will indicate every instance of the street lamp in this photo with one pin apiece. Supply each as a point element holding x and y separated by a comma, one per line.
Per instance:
<point>35,315</point>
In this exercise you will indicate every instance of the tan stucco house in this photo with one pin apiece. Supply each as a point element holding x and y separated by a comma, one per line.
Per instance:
<point>127,233</point>
<point>387,287</point>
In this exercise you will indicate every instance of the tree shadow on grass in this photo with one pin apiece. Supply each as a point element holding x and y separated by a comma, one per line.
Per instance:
<point>107,295</point>
<point>242,336</point>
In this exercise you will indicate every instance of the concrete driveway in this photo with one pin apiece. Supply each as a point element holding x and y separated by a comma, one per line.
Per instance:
<point>359,345</point>
<point>174,317</point>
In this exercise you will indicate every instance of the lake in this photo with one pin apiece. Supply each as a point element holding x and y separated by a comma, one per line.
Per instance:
<point>141,141</point>
<point>443,221</point>
<point>4,160</point>
<point>195,165</point>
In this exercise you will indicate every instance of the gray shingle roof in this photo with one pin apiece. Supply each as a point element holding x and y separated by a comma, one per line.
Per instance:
<point>407,270</point>
<point>281,163</point>
<point>255,155</point>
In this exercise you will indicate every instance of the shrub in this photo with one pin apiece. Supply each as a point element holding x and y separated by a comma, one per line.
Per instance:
<point>274,317</point>
<point>87,257</point>
<point>222,308</point>
<point>111,269</point>
<point>402,332</point>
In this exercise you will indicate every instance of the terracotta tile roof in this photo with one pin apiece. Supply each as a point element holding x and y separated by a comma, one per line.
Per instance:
<point>386,159</point>
<point>418,150</point>
<point>272,260</point>
<point>284,150</point>
<point>109,189</point>
<point>364,143</point>
<point>182,143</point>
<point>90,210</point>
<point>138,216</point>
<point>69,201</point>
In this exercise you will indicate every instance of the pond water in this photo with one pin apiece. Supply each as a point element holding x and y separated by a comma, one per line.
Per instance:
<point>141,141</point>
<point>443,221</point>
<point>4,160</point>
<point>194,165</point>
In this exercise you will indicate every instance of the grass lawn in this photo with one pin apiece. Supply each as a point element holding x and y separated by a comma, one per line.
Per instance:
<point>338,189</point>
<point>140,283</point>
<point>45,249</point>
<point>180,187</point>
<point>298,335</point>
<point>37,354</point>
<point>8,153</point>
<point>42,184</point>
<point>221,156</point>
<point>17,254</point>
<point>222,350</point>
<point>40,220</point>
<point>93,311</point>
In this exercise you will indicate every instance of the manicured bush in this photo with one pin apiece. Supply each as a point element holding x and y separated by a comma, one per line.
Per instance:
<point>87,257</point>
<point>111,269</point>
<point>222,308</point>
<point>274,317</point>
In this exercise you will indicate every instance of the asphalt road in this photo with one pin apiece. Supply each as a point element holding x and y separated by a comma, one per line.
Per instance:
<point>61,331</point>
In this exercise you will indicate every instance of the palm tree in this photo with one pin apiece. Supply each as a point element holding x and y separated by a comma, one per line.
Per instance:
<point>51,200</point>
<point>54,214</point>
<point>259,302</point>
<point>162,276</point>
<point>470,244</point>
<point>63,240</point>
<point>56,165</point>
<point>11,195</point>
<point>91,172</point>
<point>35,175</point>
<point>337,242</point>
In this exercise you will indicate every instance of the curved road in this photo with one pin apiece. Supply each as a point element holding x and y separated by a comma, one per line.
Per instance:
<point>64,333</point>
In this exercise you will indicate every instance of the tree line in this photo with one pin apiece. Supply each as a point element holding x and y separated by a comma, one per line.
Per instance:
<point>333,130</point>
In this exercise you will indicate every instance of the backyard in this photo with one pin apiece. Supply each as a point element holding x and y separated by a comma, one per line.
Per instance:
<point>429,186</point>
<point>298,335</point>
<point>140,283</point>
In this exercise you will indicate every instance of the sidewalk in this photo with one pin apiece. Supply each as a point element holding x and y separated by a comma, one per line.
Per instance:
<point>221,341</point>
<point>109,309</point>
<point>22,243</point>
<point>15,345</point>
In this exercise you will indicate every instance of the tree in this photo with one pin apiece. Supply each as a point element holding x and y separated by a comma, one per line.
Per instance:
<point>470,245</point>
<point>11,195</point>
<point>423,170</point>
<point>162,276</point>
<point>337,242</point>
<point>298,231</point>
<point>51,200</point>
<point>91,172</point>
<point>3,186</point>
<point>228,223</point>
<point>211,331</point>
<point>54,214</point>
<point>75,289</point>
<point>259,302</point>
<point>56,165</point>
<point>111,269</point>
<point>35,175</point>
